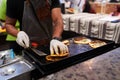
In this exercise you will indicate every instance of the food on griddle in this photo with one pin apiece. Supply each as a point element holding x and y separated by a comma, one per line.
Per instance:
<point>2,30</point>
<point>97,43</point>
<point>66,42</point>
<point>49,58</point>
<point>81,40</point>
<point>56,57</point>
<point>70,10</point>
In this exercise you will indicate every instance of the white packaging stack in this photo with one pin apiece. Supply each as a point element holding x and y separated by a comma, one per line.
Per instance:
<point>92,25</point>
<point>117,35</point>
<point>66,20</point>
<point>112,32</point>
<point>85,23</point>
<point>74,21</point>
<point>97,26</point>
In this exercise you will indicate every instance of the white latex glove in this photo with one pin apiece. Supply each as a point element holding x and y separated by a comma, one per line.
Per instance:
<point>23,39</point>
<point>56,45</point>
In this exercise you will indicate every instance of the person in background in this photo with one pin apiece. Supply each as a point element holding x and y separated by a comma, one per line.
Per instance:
<point>81,5</point>
<point>62,3</point>
<point>77,4</point>
<point>2,10</point>
<point>40,22</point>
<point>88,8</point>
<point>113,1</point>
<point>116,11</point>
<point>9,39</point>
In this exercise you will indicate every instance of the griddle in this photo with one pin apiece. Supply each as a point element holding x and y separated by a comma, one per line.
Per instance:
<point>78,53</point>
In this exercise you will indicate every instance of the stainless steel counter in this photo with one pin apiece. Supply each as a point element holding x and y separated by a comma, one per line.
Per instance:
<point>103,67</point>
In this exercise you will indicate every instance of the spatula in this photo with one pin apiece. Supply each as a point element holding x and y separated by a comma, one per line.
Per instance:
<point>38,52</point>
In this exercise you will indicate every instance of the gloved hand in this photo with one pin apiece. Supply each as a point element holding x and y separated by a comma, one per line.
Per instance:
<point>23,39</point>
<point>56,45</point>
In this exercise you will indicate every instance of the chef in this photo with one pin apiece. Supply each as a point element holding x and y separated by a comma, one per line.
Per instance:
<point>40,22</point>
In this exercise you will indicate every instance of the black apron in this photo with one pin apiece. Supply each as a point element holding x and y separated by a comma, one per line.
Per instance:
<point>37,21</point>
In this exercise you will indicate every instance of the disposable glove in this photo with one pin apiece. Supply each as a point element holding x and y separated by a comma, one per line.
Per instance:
<point>56,46</point>
<point>23,39</point>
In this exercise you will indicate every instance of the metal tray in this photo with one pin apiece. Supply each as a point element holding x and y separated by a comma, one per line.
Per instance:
<point>78,53</point>
<point>19,70</point>
<point>7,57</point>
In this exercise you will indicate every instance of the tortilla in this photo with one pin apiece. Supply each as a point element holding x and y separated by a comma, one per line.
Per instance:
<point>66,42</point>
<point>81,40</point>
<point>96,43</point>
<point>70,10</point>
<point>56,57</point>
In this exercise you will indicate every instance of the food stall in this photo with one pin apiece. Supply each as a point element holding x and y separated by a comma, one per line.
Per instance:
<point>78,53</point>
<point>96,59</point>
<point>38,66</point>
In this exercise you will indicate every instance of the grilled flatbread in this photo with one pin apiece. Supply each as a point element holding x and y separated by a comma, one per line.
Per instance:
<point>96,43</point>
<point>81,40</point>
<point>56,57</point>
<point>66,42</point>
<point>70,10</point>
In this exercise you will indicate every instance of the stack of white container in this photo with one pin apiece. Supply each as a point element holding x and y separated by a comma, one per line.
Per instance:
<point>92,25</point>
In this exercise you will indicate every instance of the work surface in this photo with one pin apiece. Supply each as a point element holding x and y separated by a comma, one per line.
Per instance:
<point>103,67</point>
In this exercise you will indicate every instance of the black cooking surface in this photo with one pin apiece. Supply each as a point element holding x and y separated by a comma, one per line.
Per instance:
<point>74,49</point>
<point>78,53</point>
<point>78,48</point>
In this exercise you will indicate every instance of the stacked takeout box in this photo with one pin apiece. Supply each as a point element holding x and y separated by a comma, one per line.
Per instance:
<point>94,25</point>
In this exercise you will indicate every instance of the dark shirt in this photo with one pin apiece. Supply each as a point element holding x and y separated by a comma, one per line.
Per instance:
<point>15,11</point>
<point>15,8</point>
<point>113,1</point>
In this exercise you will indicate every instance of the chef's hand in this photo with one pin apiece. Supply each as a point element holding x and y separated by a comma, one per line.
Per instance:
<point>56,46</point>
<point>23,39</point>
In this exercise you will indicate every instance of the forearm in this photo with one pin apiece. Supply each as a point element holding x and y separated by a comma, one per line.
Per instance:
<point>10,26</point>
<point>58,28</point>
<point>57,23</point>
<point>11,29</point>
